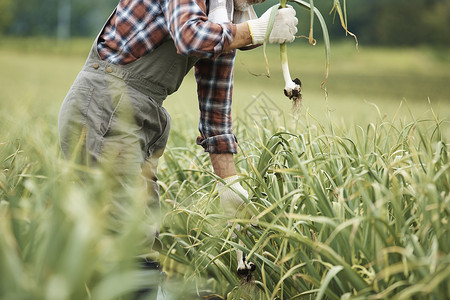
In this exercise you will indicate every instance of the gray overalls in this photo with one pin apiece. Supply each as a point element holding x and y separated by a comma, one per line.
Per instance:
<point>112,116</point>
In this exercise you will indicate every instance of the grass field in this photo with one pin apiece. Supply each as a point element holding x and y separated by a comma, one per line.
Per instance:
<point>39,73</point>
<point>353,195</point>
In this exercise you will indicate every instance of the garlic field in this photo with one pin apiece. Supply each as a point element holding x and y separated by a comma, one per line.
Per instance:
<point>352,194</point>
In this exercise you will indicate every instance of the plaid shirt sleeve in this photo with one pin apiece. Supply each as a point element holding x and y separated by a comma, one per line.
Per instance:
<point>191,31</point>
<point>214,89</point>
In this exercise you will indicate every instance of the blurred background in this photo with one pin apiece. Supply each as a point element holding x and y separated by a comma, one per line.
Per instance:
<point>375,22</point>
<point>402,59</point>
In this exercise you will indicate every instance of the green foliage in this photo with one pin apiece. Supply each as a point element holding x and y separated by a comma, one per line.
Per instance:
<point>6,14</point>
<point>359,213</point>
<point>412,22</point>
<point>342,206</point>
<point>40,17</point>
<point>381,22</point>
<point>55,241</point>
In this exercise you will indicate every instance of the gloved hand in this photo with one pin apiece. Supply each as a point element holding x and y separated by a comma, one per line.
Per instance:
<point>284,27</point>
<point>231,198</point>
<point>232,204</point>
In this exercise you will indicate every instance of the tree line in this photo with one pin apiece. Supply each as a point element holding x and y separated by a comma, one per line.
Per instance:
<point>376,22</point>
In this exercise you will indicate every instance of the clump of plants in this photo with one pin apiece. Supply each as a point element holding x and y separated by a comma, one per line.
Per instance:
<point>360,213</point>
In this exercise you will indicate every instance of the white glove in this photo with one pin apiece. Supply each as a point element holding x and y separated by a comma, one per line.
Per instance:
<point>233,205</point>
<point>231,198</point>
<point>284,27</point>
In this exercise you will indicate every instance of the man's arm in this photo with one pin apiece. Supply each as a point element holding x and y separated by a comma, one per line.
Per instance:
<point>191,31</point>
<point>241,39</point>
<point>214,89</point>
<point>193,35</point>
<point>223,164</point>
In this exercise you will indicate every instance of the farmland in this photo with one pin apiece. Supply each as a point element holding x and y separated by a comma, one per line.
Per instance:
<point>353,194</point>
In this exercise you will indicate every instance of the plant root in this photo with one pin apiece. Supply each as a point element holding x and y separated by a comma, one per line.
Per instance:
<point>293,92</point>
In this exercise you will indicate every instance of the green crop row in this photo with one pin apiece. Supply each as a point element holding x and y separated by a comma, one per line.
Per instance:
<point>341,215</point>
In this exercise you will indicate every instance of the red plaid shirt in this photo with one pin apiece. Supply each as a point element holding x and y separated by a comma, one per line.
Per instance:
<point>139,26</point>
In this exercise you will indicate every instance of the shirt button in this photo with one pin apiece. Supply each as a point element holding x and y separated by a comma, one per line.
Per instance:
<point>109,69</point>
<point>95,66</point>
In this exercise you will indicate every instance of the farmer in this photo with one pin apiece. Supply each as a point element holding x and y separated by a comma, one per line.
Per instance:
<point>112,115</point>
